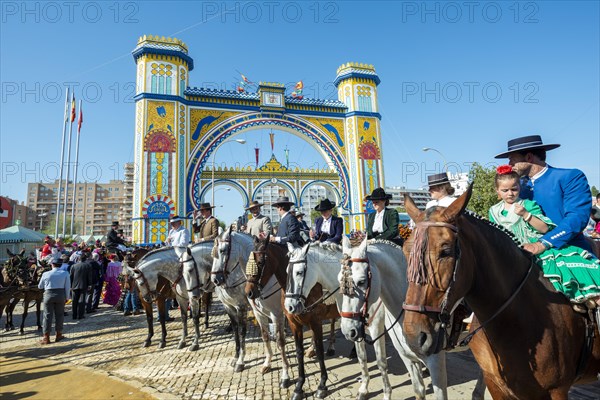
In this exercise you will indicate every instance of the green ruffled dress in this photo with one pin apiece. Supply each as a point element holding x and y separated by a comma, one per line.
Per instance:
<point>572,270</point>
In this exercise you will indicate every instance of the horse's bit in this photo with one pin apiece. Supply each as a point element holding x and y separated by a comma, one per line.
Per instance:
<point>224,271</point>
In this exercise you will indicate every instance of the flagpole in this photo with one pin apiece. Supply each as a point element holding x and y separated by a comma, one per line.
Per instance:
<point>64,224</point>
<point>76,167</point>
<point>62,161</point>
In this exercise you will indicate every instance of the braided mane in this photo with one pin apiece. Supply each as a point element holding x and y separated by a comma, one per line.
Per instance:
<point>383,241</point>
<point>502,229</point>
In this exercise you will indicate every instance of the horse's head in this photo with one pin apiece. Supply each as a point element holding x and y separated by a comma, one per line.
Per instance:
<point>17,268</point>
<point>299,282</point>
<point>358,284</point>
<point>146,279</point>
<point>196,263</point>
<point>436,282</point>
<point>131,258</point>
<point>221,254</point>
<point>255,267</point>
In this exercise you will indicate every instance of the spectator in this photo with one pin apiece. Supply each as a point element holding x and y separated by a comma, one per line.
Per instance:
<point>56,285</point>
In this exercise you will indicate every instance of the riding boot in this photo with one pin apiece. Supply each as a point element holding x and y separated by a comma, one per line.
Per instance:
<point>59,337</point>
<point>45,339</point>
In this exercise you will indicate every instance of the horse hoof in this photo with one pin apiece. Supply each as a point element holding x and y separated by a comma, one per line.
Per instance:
<point>361,396</point>
<point>147,343</point>
<point>239,367</point>
<point>330,352</point>
<point>265,369</point>
<point>311,354</point>
<point>195,347</point>
<point>321,393</point>
<point>297,395</point>
<point>21,332</point>
<point>39,328</point>
<point>181,345</point>
<point>285,383</point>
<point>162,345</point>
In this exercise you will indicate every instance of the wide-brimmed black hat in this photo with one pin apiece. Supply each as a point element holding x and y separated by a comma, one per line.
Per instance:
<point>115,223</point>
<point>300,215</point>
<point>176,218</point>
<point>282,200</point>
<point>324,205</point>
<point>532,142</point>
<point>437,179</point>
<point>379,194</point>
<point>205,206</point>
<point>253,205</point>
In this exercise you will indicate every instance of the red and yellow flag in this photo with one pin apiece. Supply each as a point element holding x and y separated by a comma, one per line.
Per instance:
<point>80,121</point>
<point>73,108</point>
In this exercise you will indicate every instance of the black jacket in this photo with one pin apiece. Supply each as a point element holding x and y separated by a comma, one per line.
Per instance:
<point>81,275</point>
<point>113,239</point>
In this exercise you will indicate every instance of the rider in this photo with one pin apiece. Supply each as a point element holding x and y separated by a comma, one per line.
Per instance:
<point>113,241</point>
<point>383,223</point>
<point>259,223</point>
<point>206,227</point>
<point>289,227</point>
<point>179,236</point>
<point>442,193</point>
<point>328,227</point>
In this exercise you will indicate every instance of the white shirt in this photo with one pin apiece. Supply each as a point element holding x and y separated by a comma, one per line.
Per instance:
<point>538,175</point>
<point>326,225</point>
<point>443,202</point>
<point>179,237</point>
<point>378,223</point>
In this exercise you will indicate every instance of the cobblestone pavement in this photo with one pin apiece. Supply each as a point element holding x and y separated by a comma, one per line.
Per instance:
<point>107,341</point>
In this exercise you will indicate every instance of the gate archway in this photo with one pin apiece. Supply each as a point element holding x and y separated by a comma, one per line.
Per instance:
<point>193,122</point>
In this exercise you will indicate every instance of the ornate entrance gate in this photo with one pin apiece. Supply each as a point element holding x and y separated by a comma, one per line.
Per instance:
<point>178,127</point>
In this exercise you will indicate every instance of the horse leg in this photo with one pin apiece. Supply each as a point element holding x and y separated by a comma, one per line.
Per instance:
<point>196,317</point>
<point>25,312</point>
<point>413,367</point>
<point>149,321</point>
<point>242,324</point>
<point>284,382</point>
<point>318,332</point>
<point>436,363</point>
<point>331,340</point>
<point>9,314</point>
<point>183,305</point>
<point>361,353</point>
<point>38,312</point>
<point>381,356</point>
<point>263,323</point>
<point>236,335</point>
<point>299,340</point>
<point>162,315</point>
<point>207,303</point>
<point>479,390</point>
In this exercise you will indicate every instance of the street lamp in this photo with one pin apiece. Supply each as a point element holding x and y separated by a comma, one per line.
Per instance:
<point>445,167</point>
<point>41,217</point>
<point>212,179</point>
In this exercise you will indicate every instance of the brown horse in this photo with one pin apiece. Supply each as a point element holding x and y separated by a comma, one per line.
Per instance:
<point>273,260</point>
<point>532,345</point>
<point>164,291</point>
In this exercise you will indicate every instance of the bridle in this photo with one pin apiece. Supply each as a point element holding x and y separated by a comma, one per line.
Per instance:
<point>224,272</point>
<point>254,273</point>
<point>417,275</point>
<point>347,289</point>
<point>145,284</point>
<point>195,268</point>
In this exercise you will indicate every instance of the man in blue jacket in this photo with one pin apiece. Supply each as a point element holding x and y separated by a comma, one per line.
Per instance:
<point>328,227</point>
<point>289,227</point>
<point>563,194</point>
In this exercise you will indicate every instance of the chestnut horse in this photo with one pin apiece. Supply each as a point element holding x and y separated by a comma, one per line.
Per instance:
<point>532,344</point>
<point>273,260</point>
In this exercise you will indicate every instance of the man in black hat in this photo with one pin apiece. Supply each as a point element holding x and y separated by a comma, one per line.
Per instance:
<point>563,194</point>
<point>383,223</point>
<point>328,227</point>
<point>258,224</point>
<point>289,228</point>
<point>113,241</point>
<point>206,227</point>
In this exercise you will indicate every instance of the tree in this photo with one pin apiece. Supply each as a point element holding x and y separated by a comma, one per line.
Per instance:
<point>49,229</point>
<point>595,191</point>
<point>484,192</point>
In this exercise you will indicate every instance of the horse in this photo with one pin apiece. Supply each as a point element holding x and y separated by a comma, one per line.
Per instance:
<point>237,249</point>
<point>324,259</point>
<point>25,279</point>
<point>362,285</point>
<point>530,344</point>
<point>151,267</point>
<point>271,260</point>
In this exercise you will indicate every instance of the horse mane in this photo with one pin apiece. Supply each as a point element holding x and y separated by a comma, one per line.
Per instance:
<point>155,251</point>
<point>491,224</point>
<point>329,246</point>
<point>383,241</point>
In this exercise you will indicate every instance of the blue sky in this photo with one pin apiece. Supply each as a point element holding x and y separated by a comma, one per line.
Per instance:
<point>463,81</point>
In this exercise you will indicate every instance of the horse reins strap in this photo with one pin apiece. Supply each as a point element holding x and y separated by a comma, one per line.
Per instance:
<point>421,309</point>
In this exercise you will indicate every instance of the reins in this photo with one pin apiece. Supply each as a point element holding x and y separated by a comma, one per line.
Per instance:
<point>224,271</point>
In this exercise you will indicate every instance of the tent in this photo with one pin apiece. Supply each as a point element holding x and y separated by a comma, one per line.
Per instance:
<point>17,237</point>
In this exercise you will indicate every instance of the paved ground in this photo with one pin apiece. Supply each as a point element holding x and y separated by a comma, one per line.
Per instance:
<point>111,344</point>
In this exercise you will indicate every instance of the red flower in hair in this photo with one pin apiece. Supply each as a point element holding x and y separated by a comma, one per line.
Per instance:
<point>504,170</point>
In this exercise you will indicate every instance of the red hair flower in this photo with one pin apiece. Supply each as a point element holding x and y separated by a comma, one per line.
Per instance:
<point>504,170</point>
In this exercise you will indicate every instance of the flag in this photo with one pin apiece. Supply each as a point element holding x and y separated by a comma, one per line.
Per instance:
<point>287,157</point>
<point>67,106</point>
<point>80,118</point>
<point>245,79</point>
<point>256,151</point>
<point>300,86</point>
<point>73,108</point>
<point>272,141</point>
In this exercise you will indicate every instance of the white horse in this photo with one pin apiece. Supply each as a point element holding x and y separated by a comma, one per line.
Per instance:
<point>378,273</point>
<point>233,251</point>
<point>324,262</point>
<point>163,262</point>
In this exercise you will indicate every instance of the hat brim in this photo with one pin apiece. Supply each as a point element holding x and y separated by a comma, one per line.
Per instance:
<point>291,203</point>
<point>523,149</point>
<point>317,208</point>
<point>206,208</point>
<point>254,206</point>
<point>176,220</point>
<point>387,197</point>
<point>439,183</point>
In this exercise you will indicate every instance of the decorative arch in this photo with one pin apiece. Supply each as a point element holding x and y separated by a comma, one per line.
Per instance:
<point>249,121</point>
<point>228,182</point>
<point>277,183</point>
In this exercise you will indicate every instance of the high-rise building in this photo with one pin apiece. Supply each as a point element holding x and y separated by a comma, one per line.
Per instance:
<point>419,196</point>
<point>96,205</point>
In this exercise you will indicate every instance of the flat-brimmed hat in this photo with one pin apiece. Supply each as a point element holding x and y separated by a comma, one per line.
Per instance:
<point>282,200</point>
<point>437,179</point>
<point>324,205</point>
<point>115,223</point>
<point>379,194</point>
<point>205,206</point>
<point>533,142</point>
<point>300,215</point>
<point>176,218</point>
<point>254,204</point>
